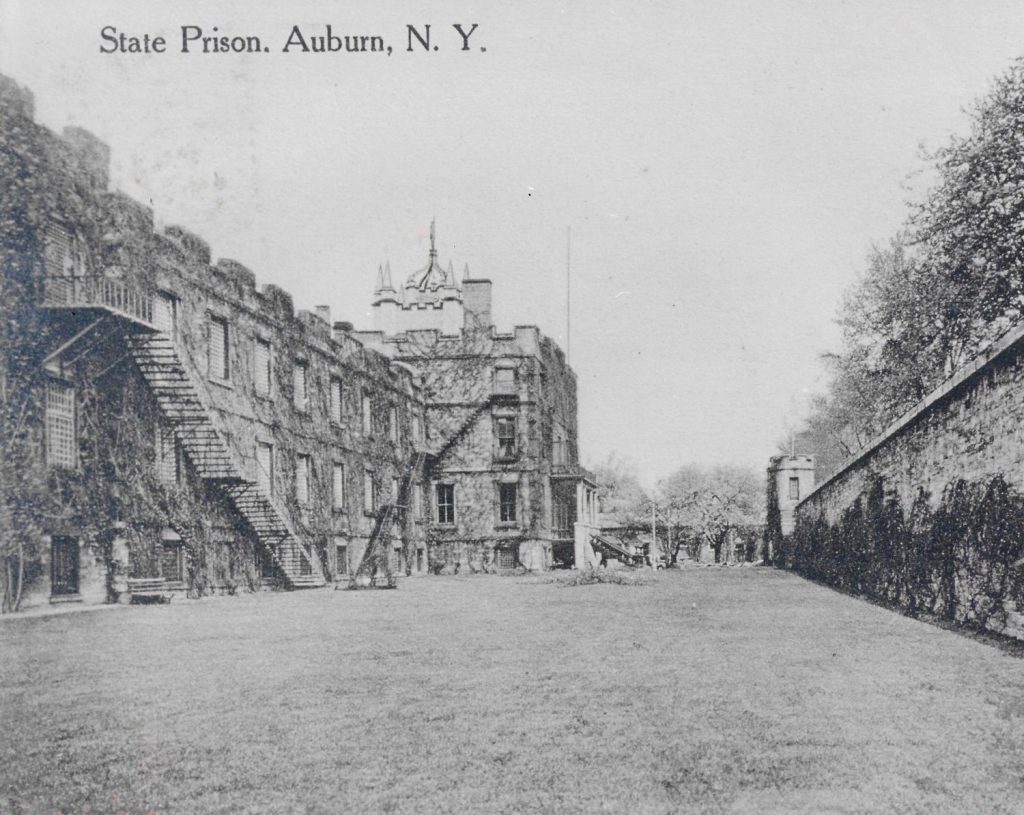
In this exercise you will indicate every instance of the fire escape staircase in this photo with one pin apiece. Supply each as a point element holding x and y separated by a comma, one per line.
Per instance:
<point>215,461</point>
<point>375,568</point>
<point>613,548</point>
<point>464,428</point>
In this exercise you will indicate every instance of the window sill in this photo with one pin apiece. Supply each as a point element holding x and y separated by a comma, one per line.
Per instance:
<point>507,525</point>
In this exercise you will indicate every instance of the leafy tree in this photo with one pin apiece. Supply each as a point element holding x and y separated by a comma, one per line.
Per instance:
<point>942,289</point>
<point>714,501</point>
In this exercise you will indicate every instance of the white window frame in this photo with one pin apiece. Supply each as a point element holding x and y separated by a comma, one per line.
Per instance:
<point>300,386</point>
<point>366,403</point>
<point>265,476</point>
<point>444,512</point>
<point>168,460</point>
<point>263,374</point>
<point>337,403</point>
<point>505,388</point>
<point>369,493</point>
<point>303,465</point>
<point>338,486</point>
<point>222,344</point>
<point>61,428</point>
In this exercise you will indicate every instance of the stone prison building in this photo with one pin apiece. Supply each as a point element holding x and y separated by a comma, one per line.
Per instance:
<point>169,427</point>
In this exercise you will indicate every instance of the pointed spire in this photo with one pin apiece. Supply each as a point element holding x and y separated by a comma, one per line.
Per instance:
<point>387,276</point>
<point>433,246</point>
<point>449,277</point>
<point>465,272</point>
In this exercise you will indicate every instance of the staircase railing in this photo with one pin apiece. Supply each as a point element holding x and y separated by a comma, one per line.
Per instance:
<point>251,467</point>
<point>97,290</point>
<point>248,466</point>
<point>454,439</point>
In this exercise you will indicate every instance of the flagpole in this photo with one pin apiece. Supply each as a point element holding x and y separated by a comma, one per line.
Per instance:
<point>568,294</point>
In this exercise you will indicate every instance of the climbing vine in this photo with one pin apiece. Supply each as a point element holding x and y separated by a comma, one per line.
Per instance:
<point>962,560</point>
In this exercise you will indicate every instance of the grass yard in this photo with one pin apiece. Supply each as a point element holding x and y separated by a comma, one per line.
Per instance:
<point>708,690</point>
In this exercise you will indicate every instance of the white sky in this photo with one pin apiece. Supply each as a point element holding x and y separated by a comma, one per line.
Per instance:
<point>724,167</point>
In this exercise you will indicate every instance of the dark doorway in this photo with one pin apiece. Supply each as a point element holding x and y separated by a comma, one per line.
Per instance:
<point>64,566</point>
<point>265,566</point>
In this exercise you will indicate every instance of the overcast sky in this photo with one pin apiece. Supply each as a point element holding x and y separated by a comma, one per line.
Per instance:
<point>724,168</point>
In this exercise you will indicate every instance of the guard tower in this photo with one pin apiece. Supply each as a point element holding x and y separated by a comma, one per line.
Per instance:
<point>793,478</point>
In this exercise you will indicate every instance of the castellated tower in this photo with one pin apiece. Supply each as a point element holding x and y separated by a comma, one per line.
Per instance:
<point>430,298</point>
<point>793,479</point>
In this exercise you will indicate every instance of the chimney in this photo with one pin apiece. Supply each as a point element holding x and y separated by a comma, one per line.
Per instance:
<point>342,328</point>
<point>323,312</point>
<point>476,303</point>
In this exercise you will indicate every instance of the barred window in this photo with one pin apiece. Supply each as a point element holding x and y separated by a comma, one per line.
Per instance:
<point>338,486</point>
<point>446,503</point>
<point>508,498</point>
<point>300,395</point>
<point>218,352</point>
<point>505,429</point>
<point>265,467</point>
<point>165,313</point>
<point>262,372</point>
<point>505,558</point>
<point>172,561</point>
<point>167,467</point>
<point>561,519</point>
<point>302,479</point>
<point>336,409</point>
<point>61,438</point>
<point>58,252</point>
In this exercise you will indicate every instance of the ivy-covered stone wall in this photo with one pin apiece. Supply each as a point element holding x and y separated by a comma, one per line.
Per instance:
<point>930,516</point>
<point>59,223</point>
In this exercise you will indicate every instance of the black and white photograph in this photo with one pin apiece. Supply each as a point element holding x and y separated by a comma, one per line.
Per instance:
<point>511,408</point>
